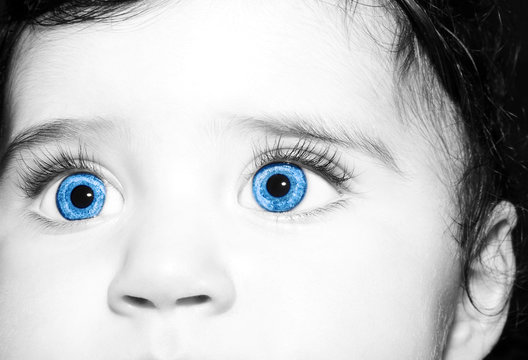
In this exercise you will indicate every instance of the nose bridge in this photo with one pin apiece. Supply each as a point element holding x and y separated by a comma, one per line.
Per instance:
<point>169,266</point>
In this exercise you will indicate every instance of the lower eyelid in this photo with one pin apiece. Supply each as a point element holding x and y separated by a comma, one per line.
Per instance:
<point>310,215</point>
<point>55,226</point>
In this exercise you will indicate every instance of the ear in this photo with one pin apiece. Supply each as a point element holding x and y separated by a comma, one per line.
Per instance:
<point>477,326</point>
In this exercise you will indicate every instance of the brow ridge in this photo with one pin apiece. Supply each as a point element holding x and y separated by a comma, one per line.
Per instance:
<point>50,131</point>
<point>305,129</point>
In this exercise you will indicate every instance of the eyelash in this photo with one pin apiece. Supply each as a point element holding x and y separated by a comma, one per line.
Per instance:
<point>312,155</point>
<point>309,154</point>
<point>47,167</point>
<point>323,160</point>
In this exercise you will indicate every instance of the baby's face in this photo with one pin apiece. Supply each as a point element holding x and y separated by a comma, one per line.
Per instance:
<point>221,181</point>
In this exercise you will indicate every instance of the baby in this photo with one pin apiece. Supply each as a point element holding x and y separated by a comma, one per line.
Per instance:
<point>251,180</point>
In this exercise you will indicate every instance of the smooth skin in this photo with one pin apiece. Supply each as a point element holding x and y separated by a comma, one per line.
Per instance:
<point>182,264</point>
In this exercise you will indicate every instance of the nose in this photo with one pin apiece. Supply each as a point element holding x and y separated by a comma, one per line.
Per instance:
<point>170,275</point>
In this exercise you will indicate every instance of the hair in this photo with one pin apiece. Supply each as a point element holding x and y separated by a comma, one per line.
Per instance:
<point>464,43</point>
<point>468,46</point>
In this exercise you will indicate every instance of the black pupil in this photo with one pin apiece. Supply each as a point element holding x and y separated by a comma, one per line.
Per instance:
<point>82,196</point>
<point>278,185</point>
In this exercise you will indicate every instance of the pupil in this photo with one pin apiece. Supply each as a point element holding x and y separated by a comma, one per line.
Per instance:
<point>82,196</point>
<point>278,185</point>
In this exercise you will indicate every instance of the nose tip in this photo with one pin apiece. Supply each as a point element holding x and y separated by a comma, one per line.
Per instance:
<point>160,271</point>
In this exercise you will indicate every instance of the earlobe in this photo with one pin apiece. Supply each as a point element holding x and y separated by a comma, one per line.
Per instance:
<point>479,320</point>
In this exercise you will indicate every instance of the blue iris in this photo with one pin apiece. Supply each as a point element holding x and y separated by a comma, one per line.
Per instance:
<point>80,196</point>
<point>279,187</point>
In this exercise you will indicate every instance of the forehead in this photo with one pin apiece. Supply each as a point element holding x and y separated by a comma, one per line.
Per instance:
<point>230,56</point>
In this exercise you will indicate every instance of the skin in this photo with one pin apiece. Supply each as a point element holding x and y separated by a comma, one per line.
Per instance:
<point>171,104</point>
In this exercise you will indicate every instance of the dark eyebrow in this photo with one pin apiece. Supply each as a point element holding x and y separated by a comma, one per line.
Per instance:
<point>54,131</point>
<point>301,127</point>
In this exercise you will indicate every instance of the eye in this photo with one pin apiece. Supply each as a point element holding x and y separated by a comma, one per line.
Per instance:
<point>296,180</point>
<point>81,196</point>
<point>279,187</point>
<point>284,187</point>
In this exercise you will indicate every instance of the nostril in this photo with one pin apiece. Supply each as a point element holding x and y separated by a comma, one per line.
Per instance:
<point>138,301</point>
<point>193,300</point>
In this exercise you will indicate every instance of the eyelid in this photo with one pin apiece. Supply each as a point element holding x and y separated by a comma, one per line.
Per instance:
<point>40,174</point>
<point>322,159</point>
<point>300,216</point>
<point>53,221</point>
<point>49,165</point>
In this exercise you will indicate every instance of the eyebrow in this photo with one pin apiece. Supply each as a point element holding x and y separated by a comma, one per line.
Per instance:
<point>306,128</point>
<point>298,127</point>
<point>50,132</point>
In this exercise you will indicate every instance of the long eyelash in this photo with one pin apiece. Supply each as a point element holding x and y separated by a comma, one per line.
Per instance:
<point>309,154</point>
<point>43,168</point>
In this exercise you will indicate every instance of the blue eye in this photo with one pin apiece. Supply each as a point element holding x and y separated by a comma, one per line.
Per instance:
<point>279,187</point>
<point>80,196</point>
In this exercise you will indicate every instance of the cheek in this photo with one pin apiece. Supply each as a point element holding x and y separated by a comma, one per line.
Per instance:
<point>383,272</point>
<point>53,294</point>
